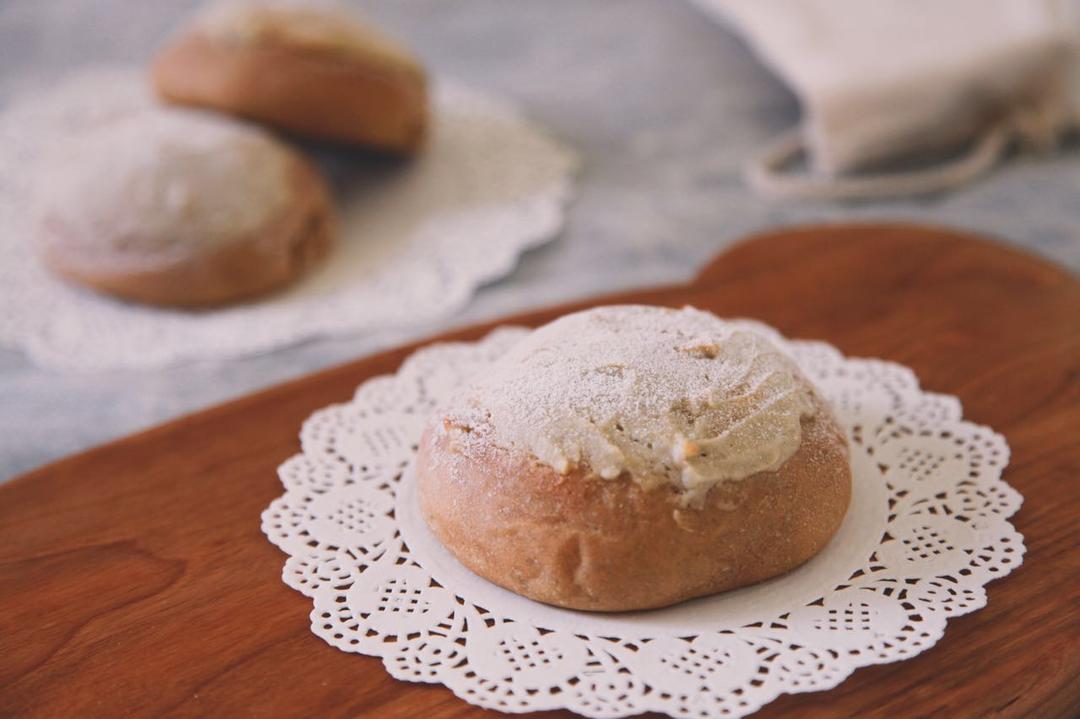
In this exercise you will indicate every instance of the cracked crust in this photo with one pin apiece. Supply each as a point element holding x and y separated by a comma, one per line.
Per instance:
<point>282,249</point>
<point>583,542</point>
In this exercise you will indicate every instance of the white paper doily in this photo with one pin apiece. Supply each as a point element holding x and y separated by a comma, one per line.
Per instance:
<point>416,239</point>
<point>927,528</point>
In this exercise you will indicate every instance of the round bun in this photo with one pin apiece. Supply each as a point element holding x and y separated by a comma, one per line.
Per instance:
<point>630,458</point>
<point>180,208</point>
<point>307,69</point>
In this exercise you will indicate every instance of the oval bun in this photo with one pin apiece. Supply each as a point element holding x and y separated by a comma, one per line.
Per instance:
<point>572,538</point>
<point>181,208</point>
<point>315,71</point>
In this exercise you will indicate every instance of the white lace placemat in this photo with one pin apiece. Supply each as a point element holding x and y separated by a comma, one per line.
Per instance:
<point>416,239</point>
<point>927,528</point>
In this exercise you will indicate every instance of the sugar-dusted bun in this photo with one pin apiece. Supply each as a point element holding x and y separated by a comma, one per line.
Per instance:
<point>307,68</point>
<point>632,457</point>
<point>182,208</point>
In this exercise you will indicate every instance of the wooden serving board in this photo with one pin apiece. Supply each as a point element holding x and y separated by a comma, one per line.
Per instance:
<point>134,580</point>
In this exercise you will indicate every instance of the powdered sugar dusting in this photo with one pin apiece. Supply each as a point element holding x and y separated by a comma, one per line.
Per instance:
<point>157,185</point>
<point>664,395</point>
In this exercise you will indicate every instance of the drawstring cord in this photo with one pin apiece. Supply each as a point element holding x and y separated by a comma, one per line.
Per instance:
<point>765,173</point>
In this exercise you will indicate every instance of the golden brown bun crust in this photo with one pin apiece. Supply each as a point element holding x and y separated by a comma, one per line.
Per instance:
<point>275,255</point>
<point>322,95</point>
<point>589,543</point>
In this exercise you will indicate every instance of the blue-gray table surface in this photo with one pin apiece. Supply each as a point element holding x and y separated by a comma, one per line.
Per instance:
<point>662,103</point>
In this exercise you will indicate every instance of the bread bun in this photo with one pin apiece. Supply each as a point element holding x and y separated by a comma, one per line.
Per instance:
<point>307,69</point>
<point>634,457</point>
<point>182,208</point>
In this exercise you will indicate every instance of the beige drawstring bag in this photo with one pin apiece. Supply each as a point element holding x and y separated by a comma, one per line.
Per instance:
<point>886,81</point>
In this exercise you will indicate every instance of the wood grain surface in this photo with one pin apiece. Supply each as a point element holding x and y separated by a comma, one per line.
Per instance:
<point>134,580</point>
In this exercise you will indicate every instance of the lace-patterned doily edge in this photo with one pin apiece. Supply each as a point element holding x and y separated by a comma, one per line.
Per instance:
<point>842,666</point>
